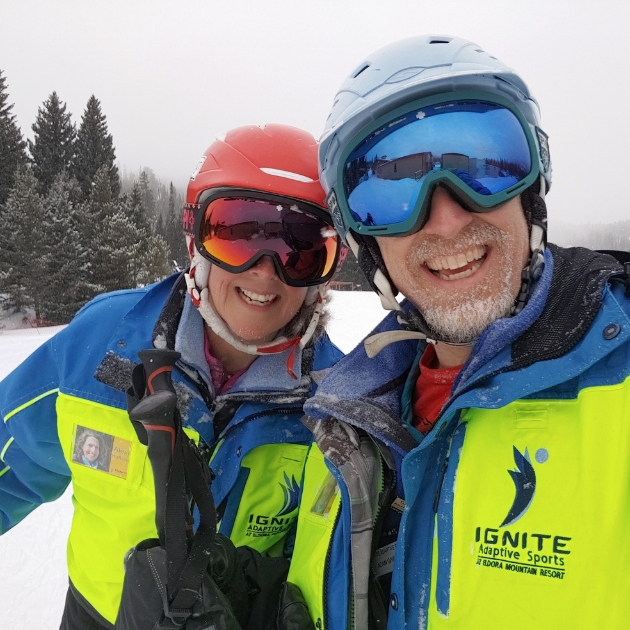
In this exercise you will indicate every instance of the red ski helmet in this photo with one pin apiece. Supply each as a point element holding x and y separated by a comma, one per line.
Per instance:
<point>276,159</point>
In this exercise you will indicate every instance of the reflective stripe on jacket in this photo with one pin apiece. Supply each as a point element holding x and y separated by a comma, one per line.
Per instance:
<point>73,386</point>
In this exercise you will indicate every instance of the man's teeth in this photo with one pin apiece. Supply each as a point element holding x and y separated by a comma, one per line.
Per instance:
<point>458,261</point>
<point>255,298</point>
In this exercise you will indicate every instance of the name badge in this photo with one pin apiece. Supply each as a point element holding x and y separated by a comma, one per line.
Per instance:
<point>101,451</point>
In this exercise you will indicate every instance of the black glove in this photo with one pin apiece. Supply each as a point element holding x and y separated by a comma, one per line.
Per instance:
<point>292,609</point>
<point>254,585</point>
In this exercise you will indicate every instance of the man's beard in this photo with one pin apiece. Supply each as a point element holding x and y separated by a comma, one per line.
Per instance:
<point>460,316</point>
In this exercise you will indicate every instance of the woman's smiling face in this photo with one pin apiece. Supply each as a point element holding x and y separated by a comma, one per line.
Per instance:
<point>255,304</point>
<point>91,449</point>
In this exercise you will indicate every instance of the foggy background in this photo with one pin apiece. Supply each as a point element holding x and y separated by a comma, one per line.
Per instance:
<point>171,76</point>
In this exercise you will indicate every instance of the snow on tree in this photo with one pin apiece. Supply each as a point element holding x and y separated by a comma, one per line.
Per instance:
<point>21,269</point>
<point>65,257</point>
<point>116,253</point>
<point>12,144</point>
<point>148,197</point>
<point>94,148</point>
<point>137,210</point>
<point>173,233</point>
<point>157,260</point>
<point>52,150</point>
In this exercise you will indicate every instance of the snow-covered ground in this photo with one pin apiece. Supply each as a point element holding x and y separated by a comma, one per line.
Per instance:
<point>33,578</point>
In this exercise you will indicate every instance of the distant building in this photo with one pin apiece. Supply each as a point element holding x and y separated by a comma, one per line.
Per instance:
<point>455,161</point>
<point>412,166</point>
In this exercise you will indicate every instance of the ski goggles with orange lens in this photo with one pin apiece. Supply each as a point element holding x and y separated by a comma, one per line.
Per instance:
<point>481,149</point>
<point>235,228</point>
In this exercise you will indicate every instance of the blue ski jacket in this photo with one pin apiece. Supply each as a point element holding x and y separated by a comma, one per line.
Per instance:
<point>514,511</point>
<point>71,391</point>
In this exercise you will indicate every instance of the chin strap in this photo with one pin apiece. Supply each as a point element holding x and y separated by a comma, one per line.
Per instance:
<point>373,268</point>
<point>197,276</point>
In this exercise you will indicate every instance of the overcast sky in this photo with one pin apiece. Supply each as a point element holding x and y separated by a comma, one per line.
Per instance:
<point>172,75</point>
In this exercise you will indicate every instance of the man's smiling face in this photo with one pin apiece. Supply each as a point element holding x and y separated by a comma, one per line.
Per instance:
<point>462,269</point>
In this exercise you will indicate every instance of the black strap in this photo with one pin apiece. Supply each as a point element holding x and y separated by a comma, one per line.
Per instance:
<point>175,536</point>
<point>198,482</point>
<point>187,559</point>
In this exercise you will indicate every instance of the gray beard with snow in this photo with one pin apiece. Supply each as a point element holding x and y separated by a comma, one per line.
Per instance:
<point>460,316</point>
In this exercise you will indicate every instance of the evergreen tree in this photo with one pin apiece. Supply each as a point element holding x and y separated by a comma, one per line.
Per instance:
<point>157,260</point>
<point>173,233</point>
<point>21,263</point>
<point>52,149</point>
<point>101,193</point>
<point>107,268</point>
<point>12,145</point>
<point>136,209</point>
<point>65,257</point>
<point>94,148</point>
<point>116,253</point>
<point>148,198</point>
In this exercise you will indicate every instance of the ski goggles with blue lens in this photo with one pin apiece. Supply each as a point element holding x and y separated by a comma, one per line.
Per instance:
<point>480,148</point>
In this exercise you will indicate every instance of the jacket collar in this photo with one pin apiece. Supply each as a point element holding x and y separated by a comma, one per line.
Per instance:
<point>357,385</point>
<point>164,317</point>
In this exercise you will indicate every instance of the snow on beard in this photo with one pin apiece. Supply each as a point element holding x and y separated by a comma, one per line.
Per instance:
<point>461,315</point>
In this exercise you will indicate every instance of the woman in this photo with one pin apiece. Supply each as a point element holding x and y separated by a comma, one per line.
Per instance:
<point>88,450</point>
<point>248,321</point>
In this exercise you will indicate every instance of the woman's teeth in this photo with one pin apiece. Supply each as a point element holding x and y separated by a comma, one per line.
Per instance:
<point>254,298</point>
<point>458,262</point>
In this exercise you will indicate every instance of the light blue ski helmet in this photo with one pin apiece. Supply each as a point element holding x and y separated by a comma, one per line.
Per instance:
<point>414,68</point>
<point>406,71</point>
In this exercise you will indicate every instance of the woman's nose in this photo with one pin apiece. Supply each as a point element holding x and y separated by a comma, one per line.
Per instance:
<point>264,269</point>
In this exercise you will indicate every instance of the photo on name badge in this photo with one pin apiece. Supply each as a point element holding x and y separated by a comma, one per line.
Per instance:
<point>101,451</point>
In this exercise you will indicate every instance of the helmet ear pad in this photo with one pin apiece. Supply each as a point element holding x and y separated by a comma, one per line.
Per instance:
<point>370,259</point>
<point>535,208</point>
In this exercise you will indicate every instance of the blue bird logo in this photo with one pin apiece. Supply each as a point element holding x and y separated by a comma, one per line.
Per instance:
<point>524,478</point>
<point>291,490</point>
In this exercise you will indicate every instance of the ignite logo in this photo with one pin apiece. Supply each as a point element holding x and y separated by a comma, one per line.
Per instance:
<point>524,478</point>
<point>291,491</point>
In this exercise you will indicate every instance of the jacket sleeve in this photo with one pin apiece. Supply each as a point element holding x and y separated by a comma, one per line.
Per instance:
<point>32,466</point>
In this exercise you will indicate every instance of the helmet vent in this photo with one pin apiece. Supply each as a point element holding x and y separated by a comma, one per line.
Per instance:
<point>287,174</point>
<point>442,40</point>
<point>359,70</point>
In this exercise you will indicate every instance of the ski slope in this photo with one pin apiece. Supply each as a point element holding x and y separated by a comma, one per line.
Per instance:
<point>33,578</point>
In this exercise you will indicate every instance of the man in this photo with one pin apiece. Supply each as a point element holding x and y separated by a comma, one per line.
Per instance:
<point>472,458</point>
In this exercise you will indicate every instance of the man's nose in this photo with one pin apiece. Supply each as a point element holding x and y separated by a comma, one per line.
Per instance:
<point>264,269</point>
<point>447,217</point>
